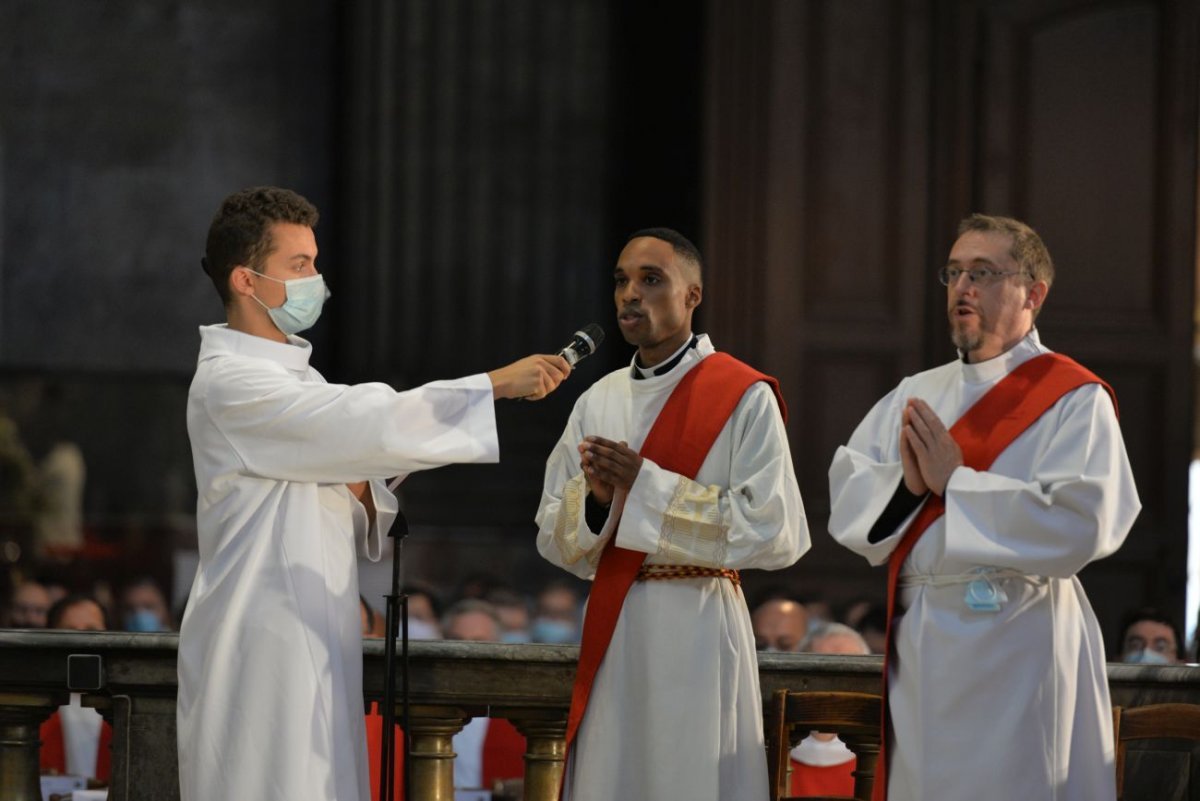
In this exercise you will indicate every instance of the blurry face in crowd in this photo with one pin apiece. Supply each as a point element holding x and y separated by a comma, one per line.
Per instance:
<point>655,296</point>
<point>779,625</point>
<point>145,609</point>
<point>558,604</point>
<point>82,616</point>
<point>474,627</point>
<point>30,604</point>
<point>557,620</point>
<point>420,608</point>
<point>1150,642</point>
<point>986,319</point>
<point>514,620</point>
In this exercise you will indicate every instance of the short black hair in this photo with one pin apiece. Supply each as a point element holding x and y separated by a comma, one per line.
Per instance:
<point>240,233</point>
<point>55,615</point>
<point>1152,615</point>
<point>418,587</point>
<point>684,248</point>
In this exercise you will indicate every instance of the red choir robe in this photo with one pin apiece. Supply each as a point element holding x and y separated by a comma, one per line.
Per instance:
<point>53,755</point>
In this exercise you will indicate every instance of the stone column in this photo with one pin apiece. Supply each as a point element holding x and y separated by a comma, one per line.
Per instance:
<point>21,714</point>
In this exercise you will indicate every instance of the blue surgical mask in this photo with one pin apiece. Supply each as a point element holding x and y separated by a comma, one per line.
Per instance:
<point>1146,656</point>
<point>143,620</point>
<point>555,632</point>
<point>515,636</point>
<point>302,309</point>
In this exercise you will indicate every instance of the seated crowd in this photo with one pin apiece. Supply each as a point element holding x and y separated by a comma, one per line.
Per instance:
<point>490,752</point>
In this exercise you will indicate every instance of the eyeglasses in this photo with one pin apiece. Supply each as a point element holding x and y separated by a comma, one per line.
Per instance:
<point>980,276</point>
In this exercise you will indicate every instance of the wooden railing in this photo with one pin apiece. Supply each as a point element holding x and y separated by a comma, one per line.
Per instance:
<point>131,680</point>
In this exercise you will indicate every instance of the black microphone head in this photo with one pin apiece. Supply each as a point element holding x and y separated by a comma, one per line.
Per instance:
<point>583,344</point>
<point>595,333</point>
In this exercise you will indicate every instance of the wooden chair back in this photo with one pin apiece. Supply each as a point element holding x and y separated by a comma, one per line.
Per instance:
<point>1152,722</point>
<point>854,717</point>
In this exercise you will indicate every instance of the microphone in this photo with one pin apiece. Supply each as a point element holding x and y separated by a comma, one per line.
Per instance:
<point>583,344</point>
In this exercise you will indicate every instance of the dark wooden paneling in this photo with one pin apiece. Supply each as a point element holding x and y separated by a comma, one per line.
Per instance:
<point>817,160</point>
<point>1081,119</point>
<point>846,141</point>
<point>476,187</point>
<point>122,126</point>
<point>478,199</point>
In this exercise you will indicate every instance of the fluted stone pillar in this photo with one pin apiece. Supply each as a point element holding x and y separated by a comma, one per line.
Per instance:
<point>21,715</point>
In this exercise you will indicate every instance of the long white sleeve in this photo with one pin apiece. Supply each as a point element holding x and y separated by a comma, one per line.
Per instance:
<point>564,538</point>
<point>287,429</point>
<point>863,477</point>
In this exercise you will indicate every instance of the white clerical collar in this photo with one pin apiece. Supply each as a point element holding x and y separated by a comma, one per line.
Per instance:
<point>665,366</point>
<point>822,753</point>
<point>999,366</point>
<point>219,339</point>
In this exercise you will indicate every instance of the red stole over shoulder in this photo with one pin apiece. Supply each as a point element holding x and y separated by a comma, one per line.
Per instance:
<point>679,441</point>
<point>983,433</point>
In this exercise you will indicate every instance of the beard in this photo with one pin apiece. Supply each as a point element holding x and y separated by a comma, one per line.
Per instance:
<point>965,339</point>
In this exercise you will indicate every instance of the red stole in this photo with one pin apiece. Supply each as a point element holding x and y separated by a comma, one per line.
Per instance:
<point>983,433</point>
<point>679,441</point>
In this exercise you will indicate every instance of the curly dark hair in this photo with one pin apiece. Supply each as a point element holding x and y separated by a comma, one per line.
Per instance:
<point>240,234</point>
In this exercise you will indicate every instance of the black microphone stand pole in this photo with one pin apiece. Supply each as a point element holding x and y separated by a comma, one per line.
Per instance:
<point>397,611</point>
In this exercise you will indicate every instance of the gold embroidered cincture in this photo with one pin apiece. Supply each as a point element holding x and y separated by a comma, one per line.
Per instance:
<point>647,572</point>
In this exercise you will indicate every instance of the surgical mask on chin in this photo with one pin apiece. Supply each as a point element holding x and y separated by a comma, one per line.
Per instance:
<point>1146,656</point>
<point>302,309</point>
<point>142,620</point>
<point>555,632</point>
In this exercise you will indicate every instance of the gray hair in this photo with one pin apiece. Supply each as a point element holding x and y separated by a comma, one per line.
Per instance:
<point>826,630</point>
<point>467,606</point>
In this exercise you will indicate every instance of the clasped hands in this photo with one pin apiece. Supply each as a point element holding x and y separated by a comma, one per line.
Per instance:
<point>608,466</point>
<point>928,453</point>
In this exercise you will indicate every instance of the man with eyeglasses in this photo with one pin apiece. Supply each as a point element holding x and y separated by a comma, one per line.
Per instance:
<point>995,680</point>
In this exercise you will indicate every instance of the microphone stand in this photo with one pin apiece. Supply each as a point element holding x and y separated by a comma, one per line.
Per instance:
<point>397,612</point>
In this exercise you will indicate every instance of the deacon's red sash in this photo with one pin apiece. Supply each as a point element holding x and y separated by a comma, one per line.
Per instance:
<point>679,441</point>
<point>983,433</point>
